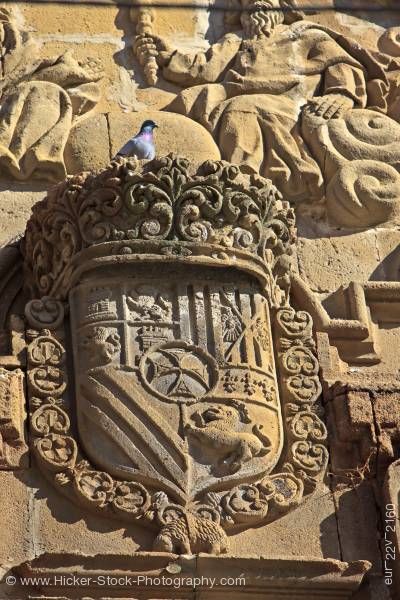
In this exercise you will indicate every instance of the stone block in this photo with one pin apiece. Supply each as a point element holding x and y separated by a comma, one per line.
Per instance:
<point>330,262</point>
<point>175,133</point>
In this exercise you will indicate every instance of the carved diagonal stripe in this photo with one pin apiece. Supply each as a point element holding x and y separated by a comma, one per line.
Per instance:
<point>155,450</point>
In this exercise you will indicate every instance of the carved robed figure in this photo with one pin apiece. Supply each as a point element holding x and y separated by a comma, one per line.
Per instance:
<point>196,386</point>
<point>298,103</point>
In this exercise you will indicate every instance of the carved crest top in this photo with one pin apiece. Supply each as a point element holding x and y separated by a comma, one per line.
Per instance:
<point>163,211</point>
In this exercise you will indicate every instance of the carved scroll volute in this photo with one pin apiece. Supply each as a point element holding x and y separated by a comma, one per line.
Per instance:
<point>175,282</point>
<point>301,390</point>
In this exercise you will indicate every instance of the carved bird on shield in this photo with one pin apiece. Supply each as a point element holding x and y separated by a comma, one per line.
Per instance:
<point>142,144</point>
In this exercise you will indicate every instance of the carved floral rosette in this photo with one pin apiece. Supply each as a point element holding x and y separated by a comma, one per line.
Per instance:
<point>231,365</point>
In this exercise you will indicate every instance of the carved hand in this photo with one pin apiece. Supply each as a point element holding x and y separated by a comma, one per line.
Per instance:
<point>150,45</point>
<point>331,106</point>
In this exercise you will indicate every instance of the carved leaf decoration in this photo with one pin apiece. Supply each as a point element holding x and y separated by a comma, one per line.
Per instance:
<point>216,205</point>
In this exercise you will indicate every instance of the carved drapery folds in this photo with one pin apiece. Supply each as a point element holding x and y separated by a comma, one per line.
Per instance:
<point>41,100</point>
<point>298,102</point>
<point>177,289</point>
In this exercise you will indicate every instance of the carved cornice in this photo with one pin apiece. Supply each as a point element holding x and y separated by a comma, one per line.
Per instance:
<point>219,215</point>
<point>265,577</point>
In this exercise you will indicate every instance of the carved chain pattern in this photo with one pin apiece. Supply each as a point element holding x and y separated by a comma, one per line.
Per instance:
<point>55,448</point>
<point>218,205</point>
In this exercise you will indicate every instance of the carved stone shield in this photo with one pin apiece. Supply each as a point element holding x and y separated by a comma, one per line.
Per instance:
<point>195,409</point>
<point>175,378</point>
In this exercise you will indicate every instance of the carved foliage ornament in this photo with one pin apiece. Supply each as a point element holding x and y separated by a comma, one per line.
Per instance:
<point>218,213</point>
<point>181,422</point>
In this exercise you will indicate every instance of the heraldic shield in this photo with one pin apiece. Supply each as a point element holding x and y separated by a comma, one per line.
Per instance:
<point>195,409</point>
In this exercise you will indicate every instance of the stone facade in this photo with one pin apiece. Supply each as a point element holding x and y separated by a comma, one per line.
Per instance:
<point>199,355</point>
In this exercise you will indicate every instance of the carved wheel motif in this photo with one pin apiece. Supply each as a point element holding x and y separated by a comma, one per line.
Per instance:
<point>179,372</point>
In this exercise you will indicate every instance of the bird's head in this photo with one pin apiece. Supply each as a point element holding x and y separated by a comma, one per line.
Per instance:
<point>147,126</point>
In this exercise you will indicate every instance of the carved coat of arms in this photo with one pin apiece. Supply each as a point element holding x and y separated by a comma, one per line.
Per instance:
<point>195,401</point>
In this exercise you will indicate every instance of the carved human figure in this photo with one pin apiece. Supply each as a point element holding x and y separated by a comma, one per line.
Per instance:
<point>40,100</point>
<point>252,88</point>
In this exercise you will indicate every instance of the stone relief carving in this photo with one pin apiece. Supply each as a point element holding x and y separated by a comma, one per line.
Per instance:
<point>13,447</point>
<point>144,17</point>
<point>218,427</point>
<point>180,419</point>
<point>298,103</point>
<point>41,100</point>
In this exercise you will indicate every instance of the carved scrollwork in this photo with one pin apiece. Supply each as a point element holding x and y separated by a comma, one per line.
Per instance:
<point>299,360</point>
<point>44,313</point>
<point>294,323</point>
<point>46,355</point>
<point>310,456</point>
<point>46,351</point>
<point>219,206</point>
<point>150,208</point>
<point>93,487</point>
<point>307,425</point>
<point>245,503</point>
<point>46,380</point>
<point>301,391</point>
<point>288,490</point>
<point>365,190</point>
<point>50,419</point>
<point>303,388</point>
<point>249,504</point>
<point>96,211</point>
<point>131,498</point>
<point>57,451</point>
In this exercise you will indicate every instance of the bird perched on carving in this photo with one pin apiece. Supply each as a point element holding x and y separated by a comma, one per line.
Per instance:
<point>141,145</point>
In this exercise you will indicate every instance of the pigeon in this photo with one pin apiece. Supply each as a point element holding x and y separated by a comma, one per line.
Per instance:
<point>141,145</point>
